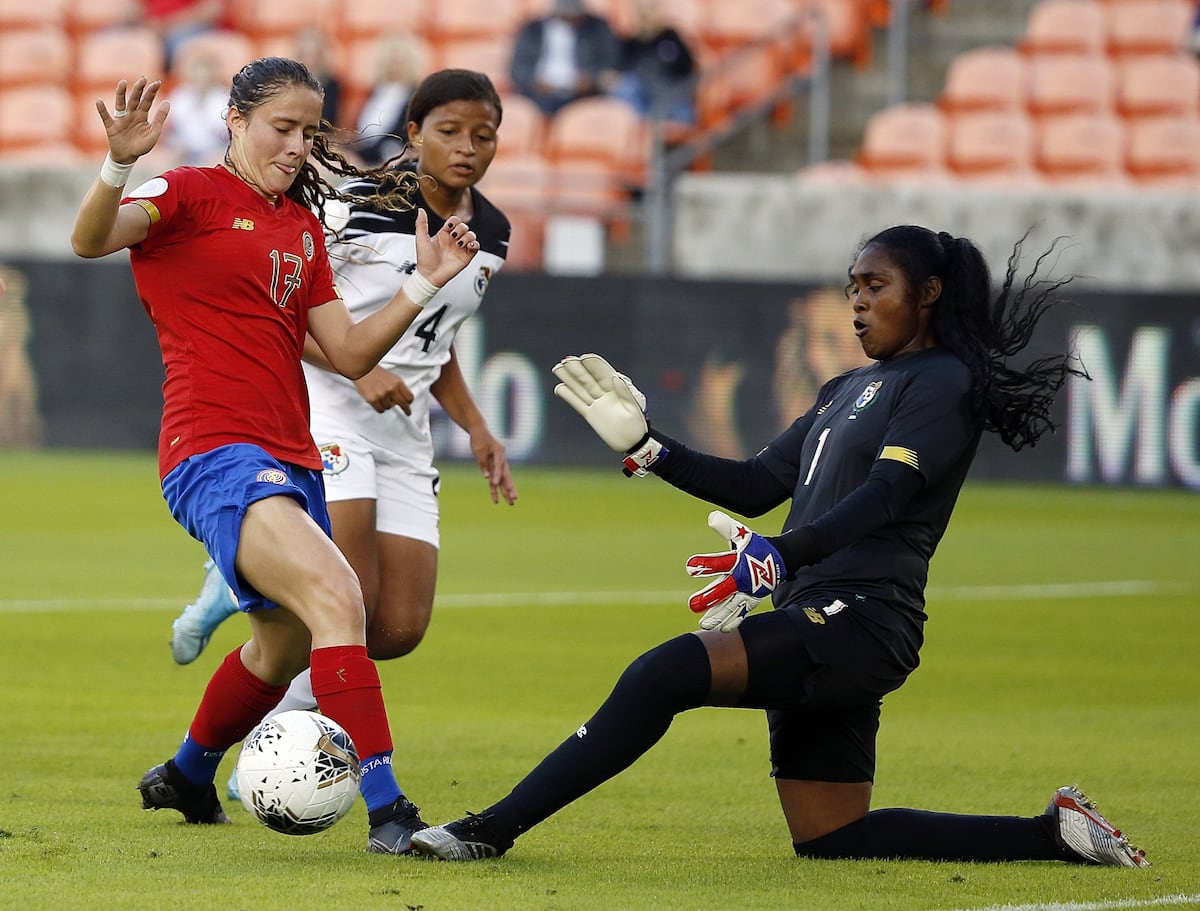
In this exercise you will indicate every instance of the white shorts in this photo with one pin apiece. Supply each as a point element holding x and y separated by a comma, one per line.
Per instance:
<point>386,457</point>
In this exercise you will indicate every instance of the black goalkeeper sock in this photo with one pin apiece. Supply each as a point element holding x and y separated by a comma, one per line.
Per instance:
<point>922,835</point>
<point>666,680</point>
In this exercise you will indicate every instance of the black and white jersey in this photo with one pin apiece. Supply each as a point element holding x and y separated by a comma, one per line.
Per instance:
<point>375,252</point>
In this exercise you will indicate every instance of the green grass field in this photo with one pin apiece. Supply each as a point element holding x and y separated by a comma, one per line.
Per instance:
<point>1061,648</point>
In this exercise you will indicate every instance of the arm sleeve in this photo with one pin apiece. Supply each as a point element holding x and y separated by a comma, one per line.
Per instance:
<point>878,501</point>
<point>746,487</point>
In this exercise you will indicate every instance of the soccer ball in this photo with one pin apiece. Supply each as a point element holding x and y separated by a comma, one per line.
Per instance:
<point>298,772</point>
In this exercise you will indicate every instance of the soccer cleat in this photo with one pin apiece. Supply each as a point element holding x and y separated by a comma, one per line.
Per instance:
<point>232,791</point>
<point>1079,827</point>
<point>165,788</point>
<point>469,838</point>
<point>392,827</point>
<point>194,627</point>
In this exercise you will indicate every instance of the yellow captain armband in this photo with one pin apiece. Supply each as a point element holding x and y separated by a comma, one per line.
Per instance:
<point>900,454</point>
<point>151,209</point>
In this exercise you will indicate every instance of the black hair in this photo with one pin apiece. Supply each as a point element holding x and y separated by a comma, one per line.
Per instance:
<point>986,331</point>
<point>261,80</point>
<point>446,86</point>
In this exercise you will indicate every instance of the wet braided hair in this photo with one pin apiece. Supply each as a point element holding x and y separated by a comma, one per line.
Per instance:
<point>257,83</point>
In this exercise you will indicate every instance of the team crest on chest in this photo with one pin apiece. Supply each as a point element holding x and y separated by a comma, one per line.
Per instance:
<point>867,397</point>
<point>334,459</point>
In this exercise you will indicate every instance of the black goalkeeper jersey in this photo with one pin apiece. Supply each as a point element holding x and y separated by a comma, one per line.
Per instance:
<point>848,465</point>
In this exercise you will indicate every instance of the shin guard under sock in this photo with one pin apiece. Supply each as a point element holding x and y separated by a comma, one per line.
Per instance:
<point>669,679</point>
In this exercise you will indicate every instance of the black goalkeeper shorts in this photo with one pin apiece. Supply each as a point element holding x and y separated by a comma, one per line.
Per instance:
<point>821,677</point>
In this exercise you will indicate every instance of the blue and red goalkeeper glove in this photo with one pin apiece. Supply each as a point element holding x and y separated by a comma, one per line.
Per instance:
<point>746,574</point>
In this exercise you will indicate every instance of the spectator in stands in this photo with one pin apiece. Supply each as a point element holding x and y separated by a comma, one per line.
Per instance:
<point>656,68</point>
<point>382,122</point>
<point>197,134</point>
<point>178,20</point>
<point>311,46</point>
<point>565,55</point>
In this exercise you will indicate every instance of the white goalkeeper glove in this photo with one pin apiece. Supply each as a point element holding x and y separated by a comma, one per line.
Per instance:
<point>612,405</point>
<point>747,574</point>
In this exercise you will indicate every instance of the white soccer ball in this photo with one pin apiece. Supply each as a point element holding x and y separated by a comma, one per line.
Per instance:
<point>298,772</point>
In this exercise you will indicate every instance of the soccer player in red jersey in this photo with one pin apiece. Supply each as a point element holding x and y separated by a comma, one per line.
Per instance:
<point>231,266</point>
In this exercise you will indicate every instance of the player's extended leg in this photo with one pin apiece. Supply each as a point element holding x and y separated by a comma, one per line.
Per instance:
<point>1070,830</point>
<point>686,672</point>
<point>194,627</point>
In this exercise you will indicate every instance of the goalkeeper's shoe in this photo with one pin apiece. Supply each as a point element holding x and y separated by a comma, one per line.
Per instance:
<point>165,788</point>
<point>393,827</point>
<point>1084,833</point>
<point>193,628</point>
<point>470,838</point>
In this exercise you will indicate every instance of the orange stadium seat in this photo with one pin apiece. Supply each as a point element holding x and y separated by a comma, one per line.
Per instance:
<point>739,79</point>
<point>105,57</point>
<point>496,20</point>
<point>732,25</point>
<point>264,19</point>
<point>522,128</point>
<point>85,16</point>
<point>88,134</point>
<point>484,55</point>
<point>527,243</point>
<point>1158,84</point>
<point>992,145</point>
<point>1082,148</point>
<point>29,56</point>
<point>1061,83</point>
<point>835,171</point>
<point>36,115</point>
<point>519,181</point>
<point>904,139</point>
<point>599,129</point>
<point>1164,151</point>
<point>1149,26</point>
<point>849,28</point>
<point>360,19</point>
<point>992,77</point>
<point>21,14</point>
<point>231,50</point>
<point>1065,26</point>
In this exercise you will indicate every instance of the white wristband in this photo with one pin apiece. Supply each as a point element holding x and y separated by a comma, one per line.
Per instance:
<point>115,174</point>
<point>419,289</point>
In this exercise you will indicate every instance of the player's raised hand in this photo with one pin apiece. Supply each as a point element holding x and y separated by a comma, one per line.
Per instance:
<point>447,252</point>
<point>132,132</point>
<point>745,574</point>
<point>607,400</point>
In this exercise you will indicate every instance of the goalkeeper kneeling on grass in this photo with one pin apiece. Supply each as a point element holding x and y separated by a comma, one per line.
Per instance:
<point>872,471</point>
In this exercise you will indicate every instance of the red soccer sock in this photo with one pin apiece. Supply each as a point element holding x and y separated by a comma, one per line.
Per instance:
<point>233,703</point>
<point>346,685</point>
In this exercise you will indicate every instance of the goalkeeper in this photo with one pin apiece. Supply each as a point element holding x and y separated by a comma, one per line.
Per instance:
<point>872,471</point>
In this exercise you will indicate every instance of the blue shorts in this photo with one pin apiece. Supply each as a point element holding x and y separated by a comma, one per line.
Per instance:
<point>208,495</point>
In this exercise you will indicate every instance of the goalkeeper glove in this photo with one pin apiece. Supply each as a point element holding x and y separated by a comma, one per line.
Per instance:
<point>612,405</point>
<point>746,575</point>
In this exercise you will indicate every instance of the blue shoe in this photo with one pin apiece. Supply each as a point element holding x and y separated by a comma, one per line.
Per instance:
<point>194,627</point>
<point>232,790</point>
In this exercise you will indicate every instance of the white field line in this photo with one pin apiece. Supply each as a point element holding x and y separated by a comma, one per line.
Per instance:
<point>1060,590</point>
<point>1113,905</point>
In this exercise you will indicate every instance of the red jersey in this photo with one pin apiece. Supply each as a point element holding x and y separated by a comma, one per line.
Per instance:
<point>227,278</point>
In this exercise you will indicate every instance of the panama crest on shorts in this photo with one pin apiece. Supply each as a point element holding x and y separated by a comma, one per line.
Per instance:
<point>334,459</point>
<point>272,476</point>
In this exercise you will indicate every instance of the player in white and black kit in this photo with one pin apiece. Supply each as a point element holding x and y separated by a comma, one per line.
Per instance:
<point>872,471</point>
<point>374,433</point>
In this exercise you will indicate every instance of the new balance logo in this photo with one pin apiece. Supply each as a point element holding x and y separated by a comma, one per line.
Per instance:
<point>582,732</point>
<point>243,224</point>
